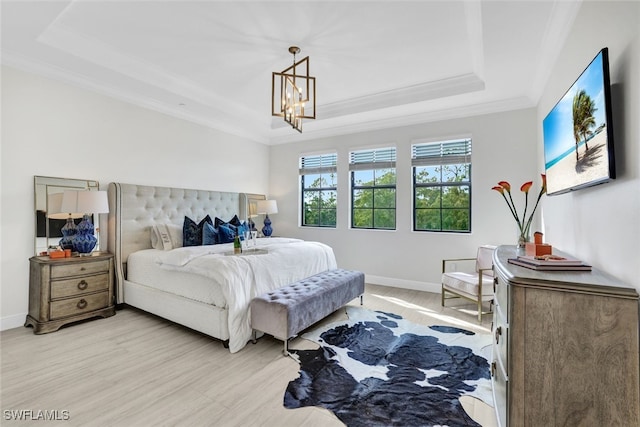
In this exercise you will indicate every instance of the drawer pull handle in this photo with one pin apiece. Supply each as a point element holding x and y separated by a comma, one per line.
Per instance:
<point>495,284</point>
<point>82,269</point>
<point>82,285</point>
<point>82,304</point>
<point>493,369</point>
<point>498,333</point>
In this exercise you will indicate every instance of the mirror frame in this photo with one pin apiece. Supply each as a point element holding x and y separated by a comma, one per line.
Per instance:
<point>43,186</point>
<point>251,201</point>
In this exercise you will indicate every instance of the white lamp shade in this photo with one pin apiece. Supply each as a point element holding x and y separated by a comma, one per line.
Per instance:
<point>54,208</point>
<point>88,202</point>
<point>267,207</point>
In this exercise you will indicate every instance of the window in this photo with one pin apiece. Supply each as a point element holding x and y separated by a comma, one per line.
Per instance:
<point>318,178</point>
<point>442,186</point>
<point>373,188</point>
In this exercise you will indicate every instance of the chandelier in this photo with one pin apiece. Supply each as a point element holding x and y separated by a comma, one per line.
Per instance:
<point>293,92</point>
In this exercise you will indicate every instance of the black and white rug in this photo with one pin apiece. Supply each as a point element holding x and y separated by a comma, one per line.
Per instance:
<point>378,369</point>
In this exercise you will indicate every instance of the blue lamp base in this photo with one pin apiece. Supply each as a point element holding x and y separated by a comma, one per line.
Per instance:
<point>267,230</point>
<point>68,233</point>
<point>84,241</point>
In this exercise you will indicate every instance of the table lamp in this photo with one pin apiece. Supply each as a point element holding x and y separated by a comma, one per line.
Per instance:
<point>87,202</point>
<point>267,207</point>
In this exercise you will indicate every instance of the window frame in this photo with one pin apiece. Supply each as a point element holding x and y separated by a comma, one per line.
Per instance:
<point>318,164</point>
<point>441,153</point>
<point>373,160</point>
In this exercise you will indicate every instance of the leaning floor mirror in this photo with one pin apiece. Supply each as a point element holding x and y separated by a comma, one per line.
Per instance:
<point>49,221</point>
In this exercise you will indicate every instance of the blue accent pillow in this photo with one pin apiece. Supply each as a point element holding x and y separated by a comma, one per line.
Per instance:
<point>217,221</point>
<point>192,232</point>
<point>210,235</point>
<point>235,221</point>
<point>226,234</point>
<point>242,228</point>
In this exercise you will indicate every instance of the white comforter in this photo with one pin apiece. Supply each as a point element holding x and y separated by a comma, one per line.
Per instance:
<point>243,277</point>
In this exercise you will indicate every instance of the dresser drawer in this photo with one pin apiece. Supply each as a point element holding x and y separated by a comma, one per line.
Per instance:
<point>78,305</point>
<point>79,286</point>
<point>502,296</point>
<point>500,337</point>
<point>500,392</point>
<point>73,269</point>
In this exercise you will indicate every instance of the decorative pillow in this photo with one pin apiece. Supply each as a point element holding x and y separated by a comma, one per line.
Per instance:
<point>160,237</point>
<point>217,222</point>
<point>175,232</point>
<point>166,236</point>
<point>210,235</point>
<point>192,232</point>
<point>242,228</point>
<point>235,221</point>
<point>226,233</point>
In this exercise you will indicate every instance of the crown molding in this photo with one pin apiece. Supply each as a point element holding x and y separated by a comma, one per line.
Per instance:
<point>406,120</point>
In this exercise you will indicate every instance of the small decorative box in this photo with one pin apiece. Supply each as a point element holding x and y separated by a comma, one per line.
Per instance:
<point>56,254</point>
<point>538,249</point>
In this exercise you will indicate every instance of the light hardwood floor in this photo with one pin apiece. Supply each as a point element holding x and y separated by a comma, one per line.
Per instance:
<point>135,369</point>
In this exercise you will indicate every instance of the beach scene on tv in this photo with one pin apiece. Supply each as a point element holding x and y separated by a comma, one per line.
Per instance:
<point>575,134</point>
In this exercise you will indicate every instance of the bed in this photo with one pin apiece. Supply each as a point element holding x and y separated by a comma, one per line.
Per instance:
<point>202,287</point>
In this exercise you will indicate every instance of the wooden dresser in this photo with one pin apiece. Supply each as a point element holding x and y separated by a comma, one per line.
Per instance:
<point>565,348</point>
<point>66,290</point>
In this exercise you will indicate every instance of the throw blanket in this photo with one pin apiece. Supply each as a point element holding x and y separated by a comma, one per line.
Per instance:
<point>244,277</point>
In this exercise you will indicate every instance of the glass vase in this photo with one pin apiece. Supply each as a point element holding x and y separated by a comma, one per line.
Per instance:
<point>523,239</point>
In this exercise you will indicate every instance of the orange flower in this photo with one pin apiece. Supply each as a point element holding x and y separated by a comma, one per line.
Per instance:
<point>505,185</point>
<point>524,224</point>
<point>526,186</point>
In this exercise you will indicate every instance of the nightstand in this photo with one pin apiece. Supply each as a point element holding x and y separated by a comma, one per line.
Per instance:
<point>67,290</point>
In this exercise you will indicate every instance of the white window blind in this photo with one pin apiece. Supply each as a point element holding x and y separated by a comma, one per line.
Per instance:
<point>381,158</point>
<point>323,163</point>
<point>441,153</point>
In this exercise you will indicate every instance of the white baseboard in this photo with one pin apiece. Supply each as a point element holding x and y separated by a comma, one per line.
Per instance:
<point>404,284</point>
<point>11,322</point>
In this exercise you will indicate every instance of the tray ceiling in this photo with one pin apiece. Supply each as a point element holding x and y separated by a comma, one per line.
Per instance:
<point>378,63</point>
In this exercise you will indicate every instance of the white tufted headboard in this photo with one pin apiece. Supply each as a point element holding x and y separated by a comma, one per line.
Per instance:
<point>134,209</point>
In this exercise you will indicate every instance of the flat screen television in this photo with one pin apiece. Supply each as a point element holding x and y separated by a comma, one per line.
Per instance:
<point>578,132</point>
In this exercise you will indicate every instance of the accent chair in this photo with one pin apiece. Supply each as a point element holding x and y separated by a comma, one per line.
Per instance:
<point>477,286</point>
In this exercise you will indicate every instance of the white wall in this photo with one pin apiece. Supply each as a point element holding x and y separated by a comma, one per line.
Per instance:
<point>504,148</point>
<point>53,129</point>
<point>602,224</point>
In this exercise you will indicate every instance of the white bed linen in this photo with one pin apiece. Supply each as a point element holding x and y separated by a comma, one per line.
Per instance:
<point>243,277</point>
<point>143,268</point>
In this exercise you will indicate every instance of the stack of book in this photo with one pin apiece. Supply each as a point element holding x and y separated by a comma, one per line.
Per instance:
<point>549,263</point>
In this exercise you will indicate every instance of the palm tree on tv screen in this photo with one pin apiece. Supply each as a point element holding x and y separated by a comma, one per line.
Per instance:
<point>583,118</point>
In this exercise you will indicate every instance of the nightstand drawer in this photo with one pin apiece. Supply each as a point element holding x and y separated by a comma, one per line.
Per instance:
<point>79,286</point>
<point>68,270</point>
<point>83,304</point>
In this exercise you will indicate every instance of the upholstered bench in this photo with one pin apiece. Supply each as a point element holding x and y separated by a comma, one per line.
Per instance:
<point>289,310</point>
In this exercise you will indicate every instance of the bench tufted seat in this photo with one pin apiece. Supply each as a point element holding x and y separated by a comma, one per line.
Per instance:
<point>287,311</point>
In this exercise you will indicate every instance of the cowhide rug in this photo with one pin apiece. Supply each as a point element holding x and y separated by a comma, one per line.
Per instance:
<point>378,369</point>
